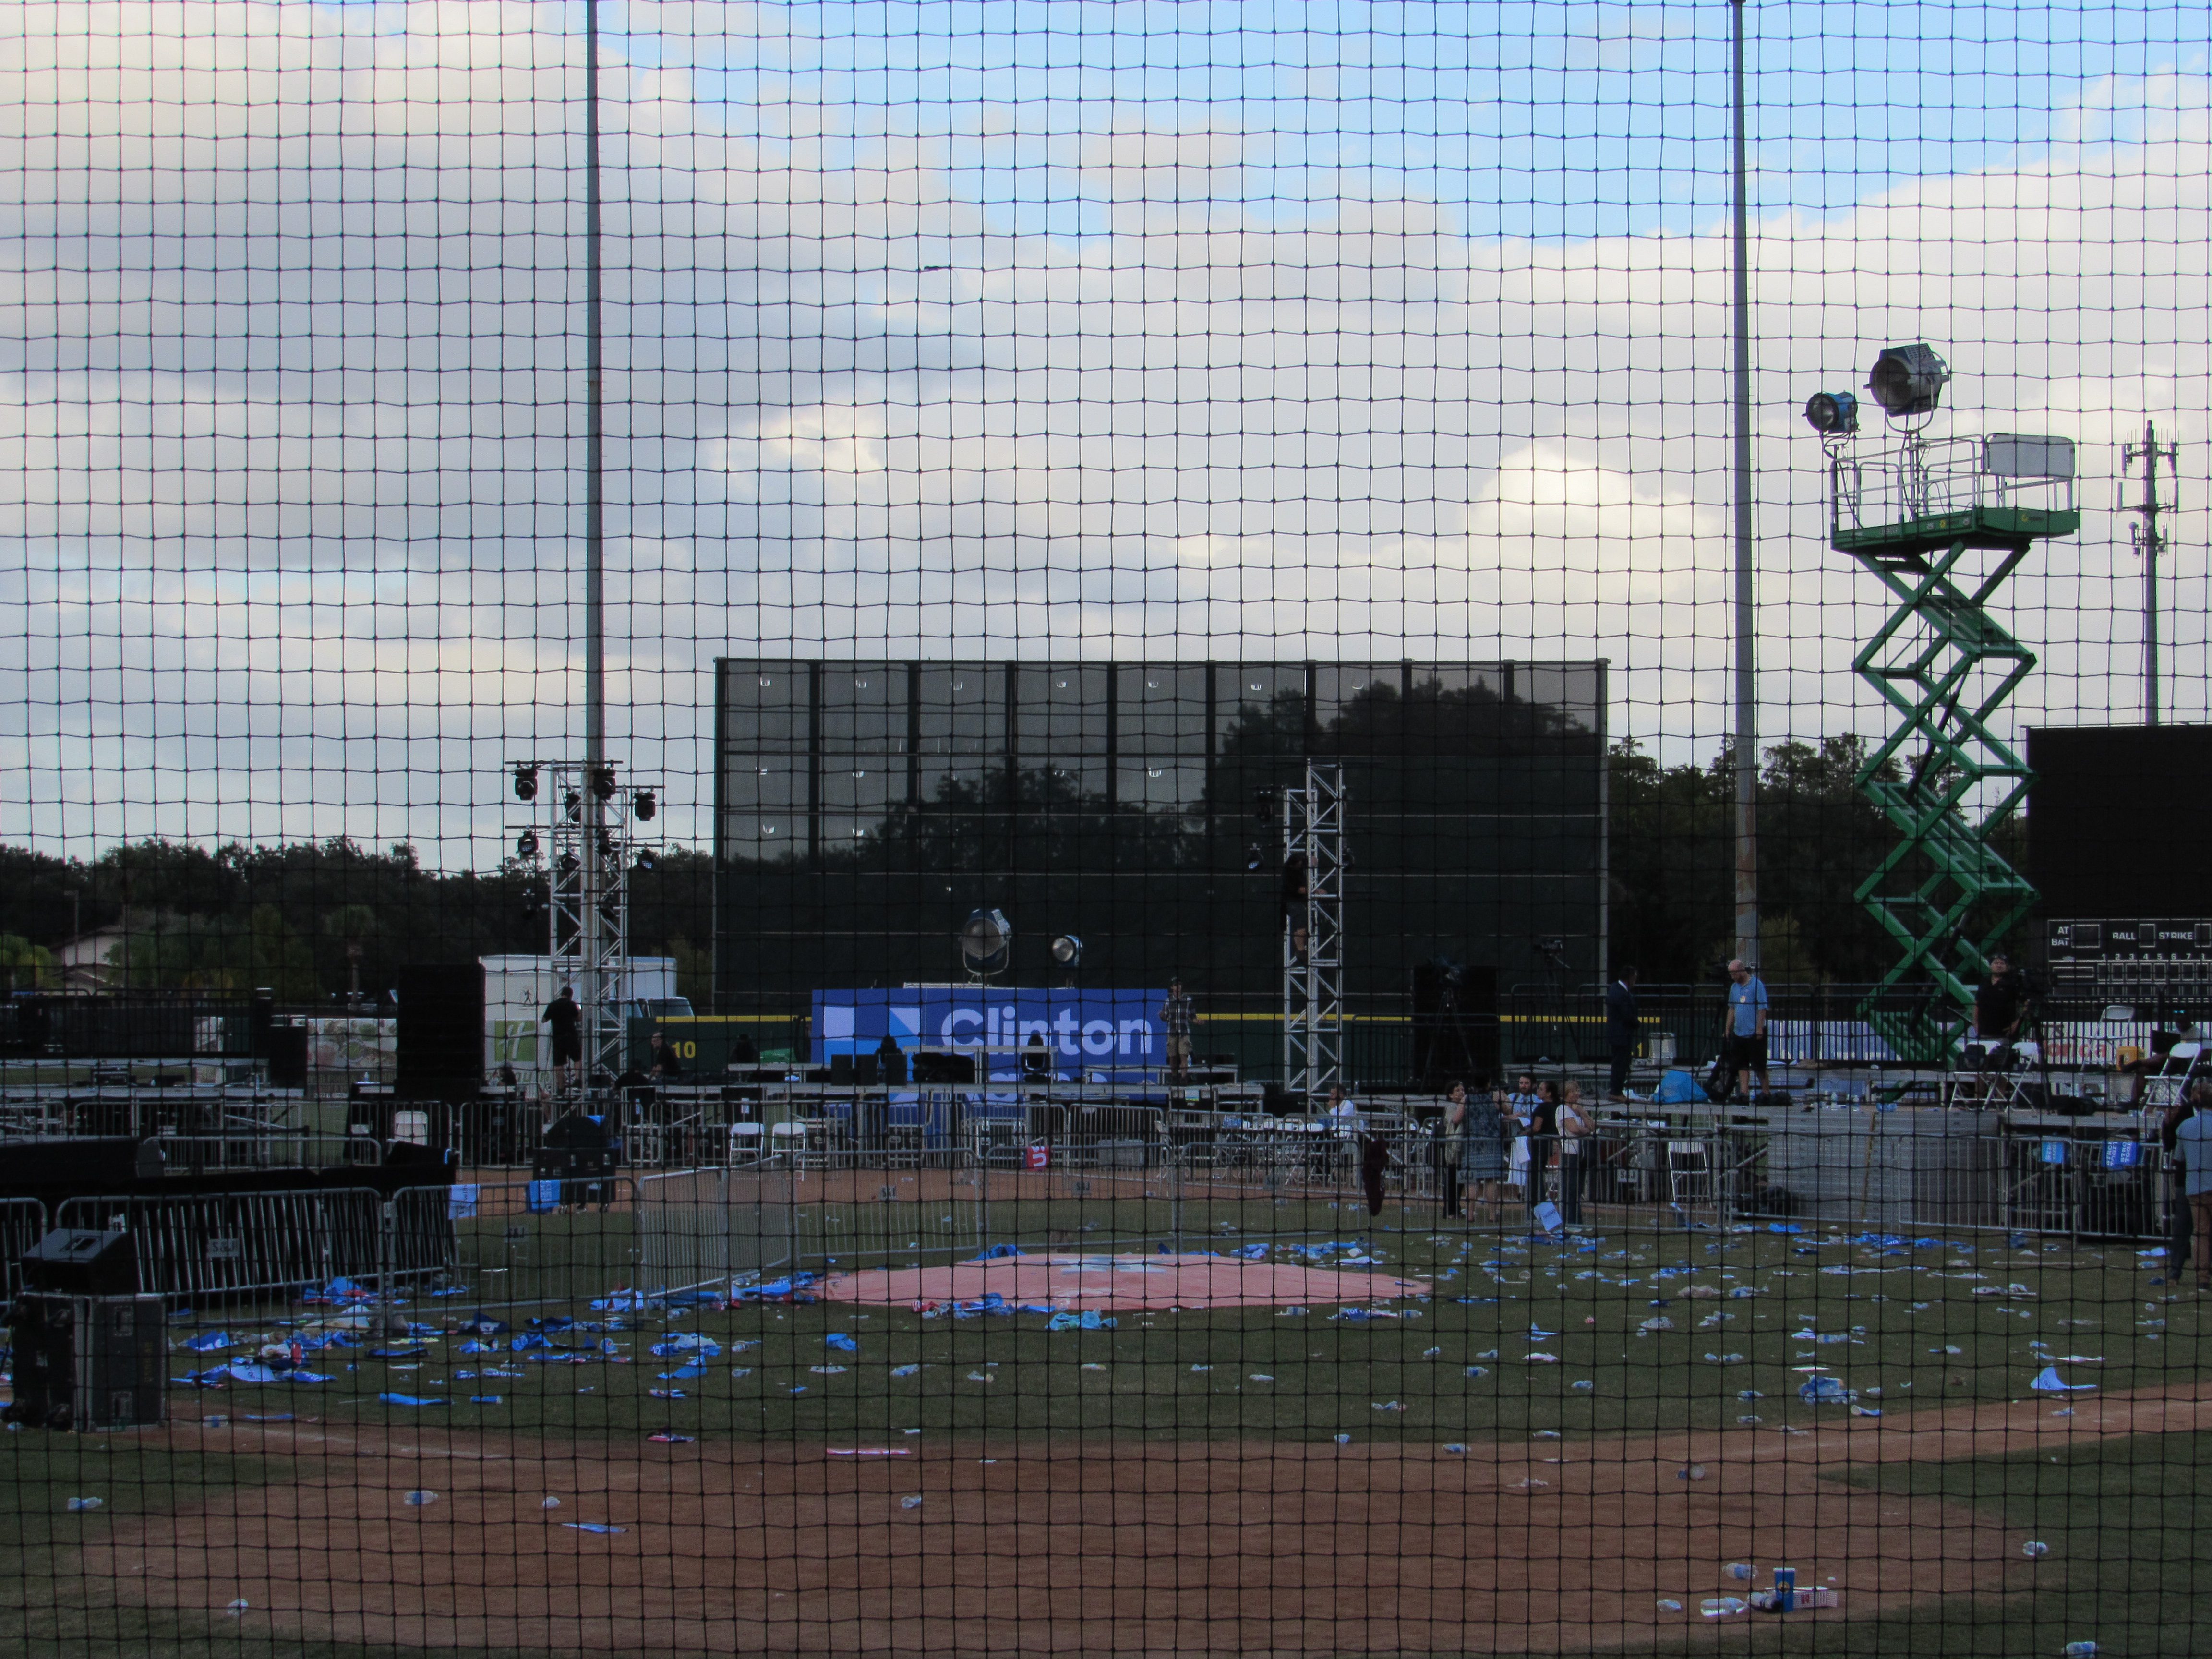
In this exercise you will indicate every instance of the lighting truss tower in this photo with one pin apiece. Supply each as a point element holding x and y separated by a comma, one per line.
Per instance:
<point>1313,985</point>
<point>588,849</point>
<point>1942,525</point>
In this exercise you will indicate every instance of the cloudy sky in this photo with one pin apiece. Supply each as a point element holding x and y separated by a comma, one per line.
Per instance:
<point>1113,330</point>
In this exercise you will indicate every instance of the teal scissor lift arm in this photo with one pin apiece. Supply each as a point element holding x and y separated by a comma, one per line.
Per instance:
<point>1944,780</point>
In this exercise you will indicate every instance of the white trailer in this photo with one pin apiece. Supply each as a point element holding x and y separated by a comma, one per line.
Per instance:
<point>518,989</point>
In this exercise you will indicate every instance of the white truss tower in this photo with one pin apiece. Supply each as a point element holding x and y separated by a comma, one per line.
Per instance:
<point>587,860</point>
<point>1312,983</point>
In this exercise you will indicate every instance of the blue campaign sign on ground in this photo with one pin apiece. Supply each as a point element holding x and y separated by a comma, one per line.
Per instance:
<point>1081,1028</point>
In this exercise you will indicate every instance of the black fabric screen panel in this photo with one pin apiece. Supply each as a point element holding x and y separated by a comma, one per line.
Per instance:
<point>2116,820</point>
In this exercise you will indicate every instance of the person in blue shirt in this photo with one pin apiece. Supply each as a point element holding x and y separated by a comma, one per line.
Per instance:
<point>1743,1043</point>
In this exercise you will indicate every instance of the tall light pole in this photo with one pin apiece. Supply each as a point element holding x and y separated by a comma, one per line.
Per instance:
<point>1746,612</point>
<point>597,994</point>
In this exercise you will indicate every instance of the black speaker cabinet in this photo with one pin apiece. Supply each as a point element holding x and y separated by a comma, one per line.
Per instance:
<point>441,1033</point>
<point>82,1261</point>
<point>88,1363</point>
<point>287,1051</point>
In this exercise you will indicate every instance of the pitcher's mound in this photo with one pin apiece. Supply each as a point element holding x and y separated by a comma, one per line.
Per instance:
<point>1064,1283</point>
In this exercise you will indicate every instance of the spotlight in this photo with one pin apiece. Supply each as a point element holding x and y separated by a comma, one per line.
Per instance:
<point>572,803</point>
<point>1908,379</point>
<point>645,806</point>
<point>1265,804</point>
<point>606,845</point>
<point>568,863</point>
<point>526,783</point>
<point>986,940</point>
<point>644,858</point>
<point>1832,414</point>
<point>525,845</point>
<point>602,782</point>
<point>1067,951</point>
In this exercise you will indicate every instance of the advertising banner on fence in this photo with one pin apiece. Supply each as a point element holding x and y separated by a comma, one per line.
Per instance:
<point>1086,1028</point>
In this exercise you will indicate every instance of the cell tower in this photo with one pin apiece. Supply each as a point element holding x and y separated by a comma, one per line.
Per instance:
<point>1313,940</point>
<point>1942,524</point>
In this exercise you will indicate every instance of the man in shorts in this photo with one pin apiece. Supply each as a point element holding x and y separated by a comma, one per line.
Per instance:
<point>566,1020</point>
<point>1743,1040</point>
<point>1179,1019</point>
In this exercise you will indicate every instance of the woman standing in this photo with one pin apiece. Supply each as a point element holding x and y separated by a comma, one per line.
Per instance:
<point>1575,1123</point>
<point>1524,1107</point>
<point>1481,1130</point>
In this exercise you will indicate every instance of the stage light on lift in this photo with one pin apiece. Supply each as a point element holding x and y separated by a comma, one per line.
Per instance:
<point>526,783</point>
<point>987,940</point>
<point>644,806</point>
<point>1908,379</point>
<point>525,844</point>
<point>1832,414</point>
<point>1067,951</point>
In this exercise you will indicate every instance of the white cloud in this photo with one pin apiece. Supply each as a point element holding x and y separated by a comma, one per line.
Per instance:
<point>292,350</point>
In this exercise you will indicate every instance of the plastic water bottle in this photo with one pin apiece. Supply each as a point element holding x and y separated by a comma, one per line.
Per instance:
<point>2034,1547</point>
<point>1344,1440</point>
<point>910,1502</point>
<point>2080,1650</point>
<point>1743,1569</point>
<point>416,1500</point>
<point>78,1506</point>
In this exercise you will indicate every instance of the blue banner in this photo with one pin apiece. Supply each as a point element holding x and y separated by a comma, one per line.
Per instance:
<point>1084,1029</point>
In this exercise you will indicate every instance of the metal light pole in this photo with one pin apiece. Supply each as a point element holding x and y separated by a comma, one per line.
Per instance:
<point>1747,679</point>
<point>596,991</point>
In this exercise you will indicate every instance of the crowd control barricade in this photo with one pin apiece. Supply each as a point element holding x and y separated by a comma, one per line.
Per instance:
<point>225,1244</point>
<point>697,1227</point>
<point>22,1224</point>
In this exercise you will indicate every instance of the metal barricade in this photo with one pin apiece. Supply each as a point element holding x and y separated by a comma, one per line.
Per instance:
<point>22,1224</point>
<point>222,1244</point>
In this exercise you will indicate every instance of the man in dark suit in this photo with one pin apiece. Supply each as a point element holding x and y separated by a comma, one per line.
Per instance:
<point>1620,1027</point>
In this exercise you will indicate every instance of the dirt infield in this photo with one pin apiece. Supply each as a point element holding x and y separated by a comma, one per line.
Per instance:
<point>1082,1547</point>
<point>1108,1282</point>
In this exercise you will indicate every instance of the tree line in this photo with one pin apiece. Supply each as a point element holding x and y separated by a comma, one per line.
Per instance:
<point>311,920</point>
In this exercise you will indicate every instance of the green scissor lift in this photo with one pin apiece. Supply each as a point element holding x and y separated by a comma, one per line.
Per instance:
<point>1944,778</point>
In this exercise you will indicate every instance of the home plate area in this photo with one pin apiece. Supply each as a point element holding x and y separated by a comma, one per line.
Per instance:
<point>1076,1283</point>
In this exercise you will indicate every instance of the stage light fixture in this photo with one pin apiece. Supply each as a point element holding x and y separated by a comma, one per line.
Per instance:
<point>526,783</point>
<point>987,938</point>
<point>606,845</point>
<point>602,782</point>
<point>525,844</point>
<point>645,806</point>
<point>1908,379</point>
<point>568,864</point>
<point>1265,802</point>
<point>572,803</point>
<point>1067,951</point>
<point>1832,414</point>
<point>644,858</point>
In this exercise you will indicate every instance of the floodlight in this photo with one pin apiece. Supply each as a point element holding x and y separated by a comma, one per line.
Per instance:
<point>1908,379</point>
<point>526,783</point>
<point>645,806</point>
<point>1832,414</point>
<point>985,939</point>
<point>1067,951</point>
<point>525,845</point>
<point>602,782</point>
<point>568,864</point>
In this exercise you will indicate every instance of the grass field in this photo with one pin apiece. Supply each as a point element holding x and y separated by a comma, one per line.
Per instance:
<point>1900,1321</point>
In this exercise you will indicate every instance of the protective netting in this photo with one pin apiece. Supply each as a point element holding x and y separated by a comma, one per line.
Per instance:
<point>931,828</point>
